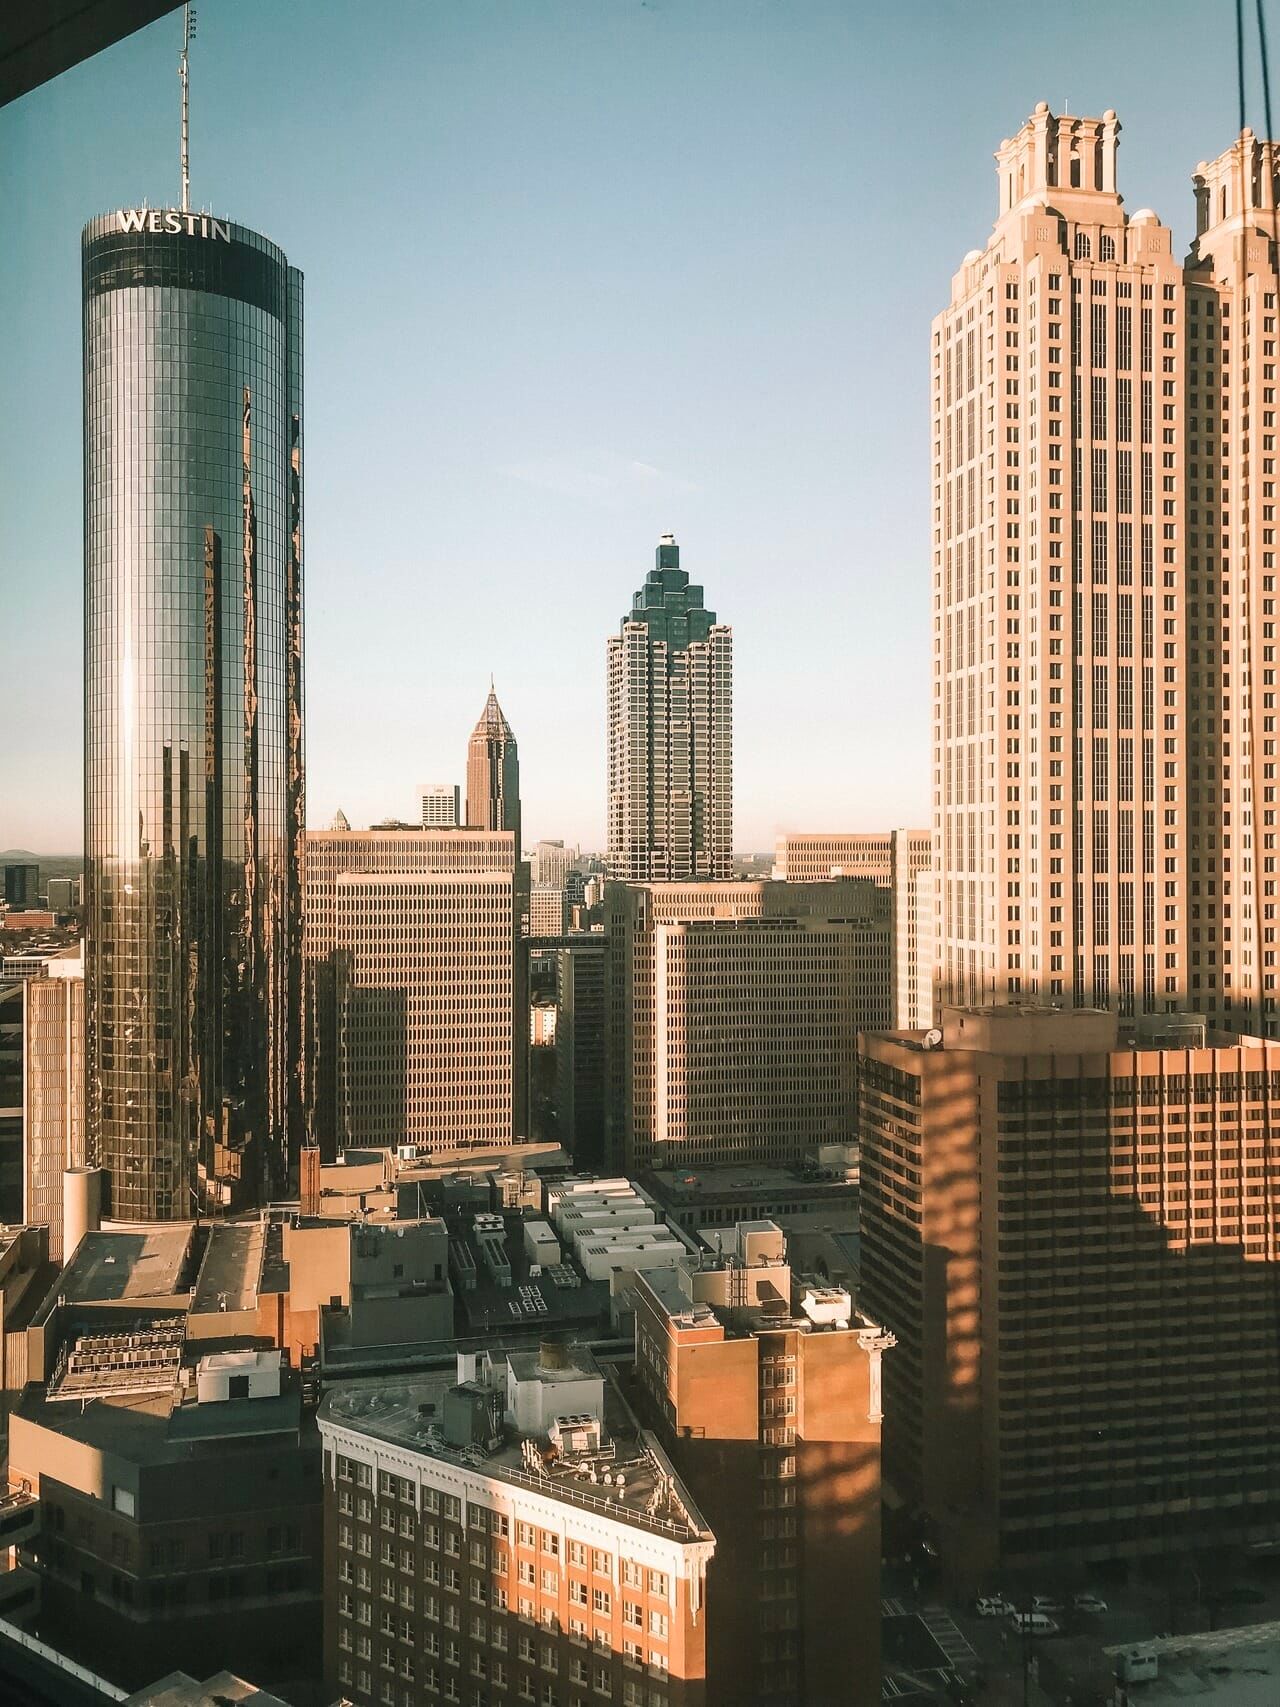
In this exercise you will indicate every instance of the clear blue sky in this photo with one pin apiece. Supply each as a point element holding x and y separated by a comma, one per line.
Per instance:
<point>578,272</point>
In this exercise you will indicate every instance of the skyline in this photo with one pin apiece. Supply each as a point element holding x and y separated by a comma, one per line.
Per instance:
<point>546,460</point>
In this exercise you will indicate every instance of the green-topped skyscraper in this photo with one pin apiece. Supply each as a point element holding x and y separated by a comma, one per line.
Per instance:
<point>670,733</point>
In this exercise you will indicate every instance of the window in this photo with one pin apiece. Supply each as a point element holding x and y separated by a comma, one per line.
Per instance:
<point>600,1600</point>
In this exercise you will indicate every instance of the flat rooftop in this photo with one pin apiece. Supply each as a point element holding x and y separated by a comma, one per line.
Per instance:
<point>230,1275</point>
<point>180,1689</point>
<point>152,1428</point>
<point>687,1185</point>
<point>1221,1668</point>
<point>406,1415</point>
<point>738,1321</point>
<point>127,1265</point>
<point>462,1158</point>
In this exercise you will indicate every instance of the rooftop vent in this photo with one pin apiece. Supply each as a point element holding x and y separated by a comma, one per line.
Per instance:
<point>553,1354</point>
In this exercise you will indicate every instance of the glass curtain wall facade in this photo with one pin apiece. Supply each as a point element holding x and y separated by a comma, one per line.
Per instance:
<point>193,709</point>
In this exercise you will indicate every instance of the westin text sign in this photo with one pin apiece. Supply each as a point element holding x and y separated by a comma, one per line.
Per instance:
<point>158,221</point>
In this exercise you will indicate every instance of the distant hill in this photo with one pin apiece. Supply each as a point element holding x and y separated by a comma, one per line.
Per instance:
<point>9,855</point>
<point>51,865</point>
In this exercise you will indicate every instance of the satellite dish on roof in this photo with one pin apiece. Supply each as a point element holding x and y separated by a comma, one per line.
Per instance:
<point>933,1039</point>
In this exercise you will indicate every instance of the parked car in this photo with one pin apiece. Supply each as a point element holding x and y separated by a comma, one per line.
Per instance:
<point>1088,1602</point>
<point>1045,1603</point>
<point>993,1606</point>
<point>1032,1624</point>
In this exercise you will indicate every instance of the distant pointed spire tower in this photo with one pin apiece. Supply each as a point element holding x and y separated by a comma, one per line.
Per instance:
<point>493,773</point>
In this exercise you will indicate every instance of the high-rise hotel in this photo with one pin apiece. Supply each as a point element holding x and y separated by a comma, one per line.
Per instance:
<point>1103,557</point>
<point>193,707</point>
<point>670,733</point>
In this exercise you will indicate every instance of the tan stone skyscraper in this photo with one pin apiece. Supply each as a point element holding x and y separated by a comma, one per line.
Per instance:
<point>1231,293</point>
<point>1059,710</point>
<point>493,773</point>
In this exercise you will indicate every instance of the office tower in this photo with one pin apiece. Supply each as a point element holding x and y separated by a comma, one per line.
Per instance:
<point>548,910</point>
<point>670,733</point>
<point>193,708</point>
<point>21,885</point>
<point>11,1000</point>
<point>417,997</point>
<point>1092,1372</point>
<point>1059,718</point>
<point>441,806</point>
<point>64,894</point>
<point>580,1034</point>
<point>913,892</point>
<point>733,1016</point>
<point>493,773</point>
<point>765,1389</point>
<point>53,1090</point>
<point>489,1480</point>
<point>1227,328</point>
<point>900,861</point>
<point>809,858</point>
<point>551,862</point>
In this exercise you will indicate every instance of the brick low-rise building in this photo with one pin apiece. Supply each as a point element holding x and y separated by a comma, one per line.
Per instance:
<point>766,1391</point>
<point>507,1534</point>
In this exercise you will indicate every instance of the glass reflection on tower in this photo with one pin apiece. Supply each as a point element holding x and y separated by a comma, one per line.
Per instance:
<point>193,708</point>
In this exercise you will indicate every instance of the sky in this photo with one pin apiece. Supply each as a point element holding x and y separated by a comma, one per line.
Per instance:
<point>578,273</point>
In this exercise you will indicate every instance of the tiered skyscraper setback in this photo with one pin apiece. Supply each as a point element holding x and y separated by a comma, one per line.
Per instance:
<point>670,733</point>
<point>1059,693</point>
<point>493,774</point>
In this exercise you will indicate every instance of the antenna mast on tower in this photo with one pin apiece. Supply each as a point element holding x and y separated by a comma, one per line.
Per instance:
<point>188,31</point>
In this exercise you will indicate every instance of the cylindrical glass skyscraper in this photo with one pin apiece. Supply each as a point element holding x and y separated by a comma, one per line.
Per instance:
<point>193,709</point>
